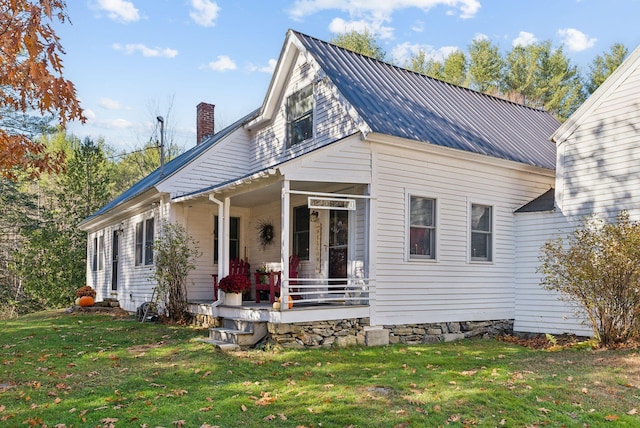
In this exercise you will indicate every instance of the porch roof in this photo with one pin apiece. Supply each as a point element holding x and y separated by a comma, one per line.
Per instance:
<point>228,185</point>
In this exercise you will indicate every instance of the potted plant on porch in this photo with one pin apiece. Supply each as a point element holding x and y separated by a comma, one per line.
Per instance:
<point>233,287</point>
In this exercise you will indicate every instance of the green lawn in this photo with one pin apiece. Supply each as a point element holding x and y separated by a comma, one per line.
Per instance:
<point>81,370</point>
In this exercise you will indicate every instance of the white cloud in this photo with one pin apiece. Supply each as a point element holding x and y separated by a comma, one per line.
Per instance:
<point>109,104</point>
<point>119,10</point>
<point>576,40</point>
<point>204,12</point>
<point>359,8</point>
<point>524,39</point>
<point>90,114</point>
<point>145,51</point>
<point>402,52</point>
<point>339,25</point>
<point>270,67</point>
<point>480,37</point>
<point>117,123</point>
<point>418,27</point>
<point>223,63</point>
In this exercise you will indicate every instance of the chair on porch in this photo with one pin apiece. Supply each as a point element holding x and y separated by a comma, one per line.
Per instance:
<point>274,280</point>
<point>236,267</point>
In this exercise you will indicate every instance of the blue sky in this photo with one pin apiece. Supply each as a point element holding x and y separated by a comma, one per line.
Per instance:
<point>132,60</point>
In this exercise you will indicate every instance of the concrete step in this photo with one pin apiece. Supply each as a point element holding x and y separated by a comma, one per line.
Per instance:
<point>223,346</point>
<point>239,332</point>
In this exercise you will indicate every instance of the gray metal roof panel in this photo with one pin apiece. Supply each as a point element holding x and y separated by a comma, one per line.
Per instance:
<point>544,202</point>
<point>399,102</point>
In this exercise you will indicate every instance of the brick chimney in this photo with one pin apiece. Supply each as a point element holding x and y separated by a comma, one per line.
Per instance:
<point>205,121</point>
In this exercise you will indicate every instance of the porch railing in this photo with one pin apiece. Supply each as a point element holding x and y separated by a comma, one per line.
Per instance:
<point>332,291</point>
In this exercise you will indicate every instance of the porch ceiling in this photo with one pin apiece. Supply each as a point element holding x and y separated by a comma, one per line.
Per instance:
<point>271,192</point>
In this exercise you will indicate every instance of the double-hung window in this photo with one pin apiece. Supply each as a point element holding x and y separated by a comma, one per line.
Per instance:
<point>481,232</point>
<point>94,264</point>
<point>101,252</point>
<point>422,229</point>
<point>144,242</point>
<point>300,116</point>
<point>301,232</point>
<point>234,238</point>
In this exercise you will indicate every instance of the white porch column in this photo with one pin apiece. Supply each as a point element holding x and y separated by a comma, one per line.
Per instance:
<point>224,258</point>
<point>284,244</point>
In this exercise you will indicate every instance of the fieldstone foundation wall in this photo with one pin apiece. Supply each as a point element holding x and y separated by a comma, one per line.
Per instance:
<point>319,334</point>
<point>349,332</point>
<point>205,321</point>
<point>412,334</point>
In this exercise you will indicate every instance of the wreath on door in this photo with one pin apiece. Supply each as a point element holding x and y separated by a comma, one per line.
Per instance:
<point>265,232</point>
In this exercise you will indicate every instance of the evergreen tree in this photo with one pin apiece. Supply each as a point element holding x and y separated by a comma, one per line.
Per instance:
<point>362,42</point>
<point>603,65</point>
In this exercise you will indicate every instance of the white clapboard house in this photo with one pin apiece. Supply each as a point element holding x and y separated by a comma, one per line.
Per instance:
<point>410,203</point>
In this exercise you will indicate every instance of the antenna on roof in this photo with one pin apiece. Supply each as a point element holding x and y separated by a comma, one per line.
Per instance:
<point>161,120</point>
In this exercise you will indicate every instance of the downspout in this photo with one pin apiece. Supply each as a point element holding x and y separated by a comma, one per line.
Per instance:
<point>220,244</point>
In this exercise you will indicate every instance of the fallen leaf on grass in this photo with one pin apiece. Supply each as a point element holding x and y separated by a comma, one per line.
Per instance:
<point>611,418</point>
<point>543,410</point>
<point>265,399</point>
<point>632,412</point>
<point>454,418</point>
<point>269,417</point>
<point>243,408</point>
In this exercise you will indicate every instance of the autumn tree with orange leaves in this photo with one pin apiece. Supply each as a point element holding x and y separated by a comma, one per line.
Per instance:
<point>31,81</point>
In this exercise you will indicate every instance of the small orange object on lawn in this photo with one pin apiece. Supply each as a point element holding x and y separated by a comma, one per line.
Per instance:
<point>86,301</point>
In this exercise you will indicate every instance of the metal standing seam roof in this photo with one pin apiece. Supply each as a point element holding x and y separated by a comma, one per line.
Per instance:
<point>399,102</point>
<point>171,167</point>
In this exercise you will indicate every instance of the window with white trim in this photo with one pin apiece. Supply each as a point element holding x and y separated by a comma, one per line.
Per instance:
<point>94,264</point>
<point>101,252</point>
<point>300,232</point>
<point>144,242</point>
<point>481,232</point>
<point>300,116</point>
<point>234,238</point>
<point>422,228</point>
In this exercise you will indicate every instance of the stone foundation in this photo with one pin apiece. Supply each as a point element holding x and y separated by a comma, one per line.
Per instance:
<point>319,334</point>
<point>205,321</point>
<point>413,334</point>
<point>351,332</point>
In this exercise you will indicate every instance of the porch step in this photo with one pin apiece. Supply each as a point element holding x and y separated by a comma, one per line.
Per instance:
<point>224,346</point>
<point>239,332</point>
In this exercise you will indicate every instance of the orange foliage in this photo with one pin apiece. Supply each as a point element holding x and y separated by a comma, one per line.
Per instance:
<point>31,80</point>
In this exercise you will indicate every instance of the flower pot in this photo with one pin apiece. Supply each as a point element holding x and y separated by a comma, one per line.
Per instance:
<point>233,299</point>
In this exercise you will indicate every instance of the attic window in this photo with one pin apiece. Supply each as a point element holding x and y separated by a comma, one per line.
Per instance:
<point>300,116</point>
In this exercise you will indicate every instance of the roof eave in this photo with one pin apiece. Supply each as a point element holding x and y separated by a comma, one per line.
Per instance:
<point>286,61</point>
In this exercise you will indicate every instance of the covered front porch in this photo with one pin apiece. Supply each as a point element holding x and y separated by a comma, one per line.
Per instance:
<point>263,220</point>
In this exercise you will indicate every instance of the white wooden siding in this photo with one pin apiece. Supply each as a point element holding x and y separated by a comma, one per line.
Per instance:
<point>227,159</point>
<point>539,310</point>
<point>331,120</point>
<point>135,282</point>
<point>450,289</point>
<point>600,159</point>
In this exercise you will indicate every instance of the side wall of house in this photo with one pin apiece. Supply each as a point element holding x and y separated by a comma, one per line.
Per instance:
<point>331,120</point>
<point>539,310</point>
<point>134,282</point>
<point>599,162</point>
<point>452,287</point>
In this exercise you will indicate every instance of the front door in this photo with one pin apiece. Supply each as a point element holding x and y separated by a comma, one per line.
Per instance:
<point>338,246</point>
<point>114,261</point>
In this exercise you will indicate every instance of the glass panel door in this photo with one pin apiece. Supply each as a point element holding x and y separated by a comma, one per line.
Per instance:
<point>338,246</point>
